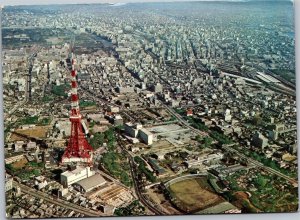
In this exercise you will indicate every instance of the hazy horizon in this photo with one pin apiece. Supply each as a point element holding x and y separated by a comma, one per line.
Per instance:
<point>48,2</point>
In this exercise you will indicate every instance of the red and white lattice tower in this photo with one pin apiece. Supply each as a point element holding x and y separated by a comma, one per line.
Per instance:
<point>78,149</point>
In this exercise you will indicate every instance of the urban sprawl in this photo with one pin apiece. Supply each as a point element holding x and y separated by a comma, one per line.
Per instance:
<point>149,109</point>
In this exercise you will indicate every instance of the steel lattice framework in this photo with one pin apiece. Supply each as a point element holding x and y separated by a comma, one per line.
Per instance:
<point>78,149</point>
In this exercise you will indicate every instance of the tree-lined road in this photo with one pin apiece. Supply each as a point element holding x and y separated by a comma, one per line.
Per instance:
<point>184,122</point>
<point>260,165</point>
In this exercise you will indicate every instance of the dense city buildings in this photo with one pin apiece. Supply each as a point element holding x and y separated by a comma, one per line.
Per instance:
<point>149,109</point>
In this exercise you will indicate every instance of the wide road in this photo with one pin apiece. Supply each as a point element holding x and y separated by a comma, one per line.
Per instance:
<point>30,60</point>
<point>184,122</point>
<point>59,202</point>
<point>259,164</point>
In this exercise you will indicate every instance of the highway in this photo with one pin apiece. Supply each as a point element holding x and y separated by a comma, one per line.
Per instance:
<point>184,122</point>
<point>59,202</point>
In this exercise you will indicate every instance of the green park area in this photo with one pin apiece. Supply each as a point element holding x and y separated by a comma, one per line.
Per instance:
<point>34,120</point>
<point>196,123</point>
<point>115,163</point>
<point>133,209</point>
<point>268,193</point>
<point>117,166</point>
<point>142,169</point>
<point>24,170</point>
<point>29,120</point>
<point>61,90</point>
<point>107,137</point>
<point>204,142</point>
<point>44,121</point>
<point>47,98</point>
<point>84,104</point>
<point>57,91</point>
<point>269,162</point>
<point>180,111</point>
<point>222,139</point>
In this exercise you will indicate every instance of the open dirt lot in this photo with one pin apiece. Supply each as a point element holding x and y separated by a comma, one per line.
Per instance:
<point>20,164</point>
<point>36,132</point>
<point>193,195</point>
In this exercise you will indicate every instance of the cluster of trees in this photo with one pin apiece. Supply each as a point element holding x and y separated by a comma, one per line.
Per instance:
<point>200,126</point>
<point>86,103</point>
<point>269,162</point>
<point>47,98</point>
<point>45,121</point>
<point>10,168</point>
<point>199,138</point>
<point>260,181</point>
<point>30,169</point>
<point>143,169</point>
<point>167,193</point>
<point>97,141</point>
<point>111,138</point>
<point>196,123</point>
<point>133,209</point>
<point>27,174</point>
<point>270,203</point>
<point>34,120</point>
<point>92,124</point>
<point>265,186</point>
<point>35,164</point>
<point>172,118</point>
<point>60,90</point>
<point>207,141</point>
<point>111,160</point>
<point>280,200</point>
<point>124,178</point>
<point>29,120</point>
<point>232,179</point>
<point>179,111</point>
<point>99,138</point>
<point>222,139</point>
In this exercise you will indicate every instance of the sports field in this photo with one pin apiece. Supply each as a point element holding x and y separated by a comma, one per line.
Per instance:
<point>193,195</point>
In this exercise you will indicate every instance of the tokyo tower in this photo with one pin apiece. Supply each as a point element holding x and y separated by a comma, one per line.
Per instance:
<point>78,149</point>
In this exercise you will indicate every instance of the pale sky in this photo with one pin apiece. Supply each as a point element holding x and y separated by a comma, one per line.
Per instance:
<point>40,2</point>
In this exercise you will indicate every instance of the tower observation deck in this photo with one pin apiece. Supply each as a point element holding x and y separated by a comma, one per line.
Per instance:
<point>78,149</point>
